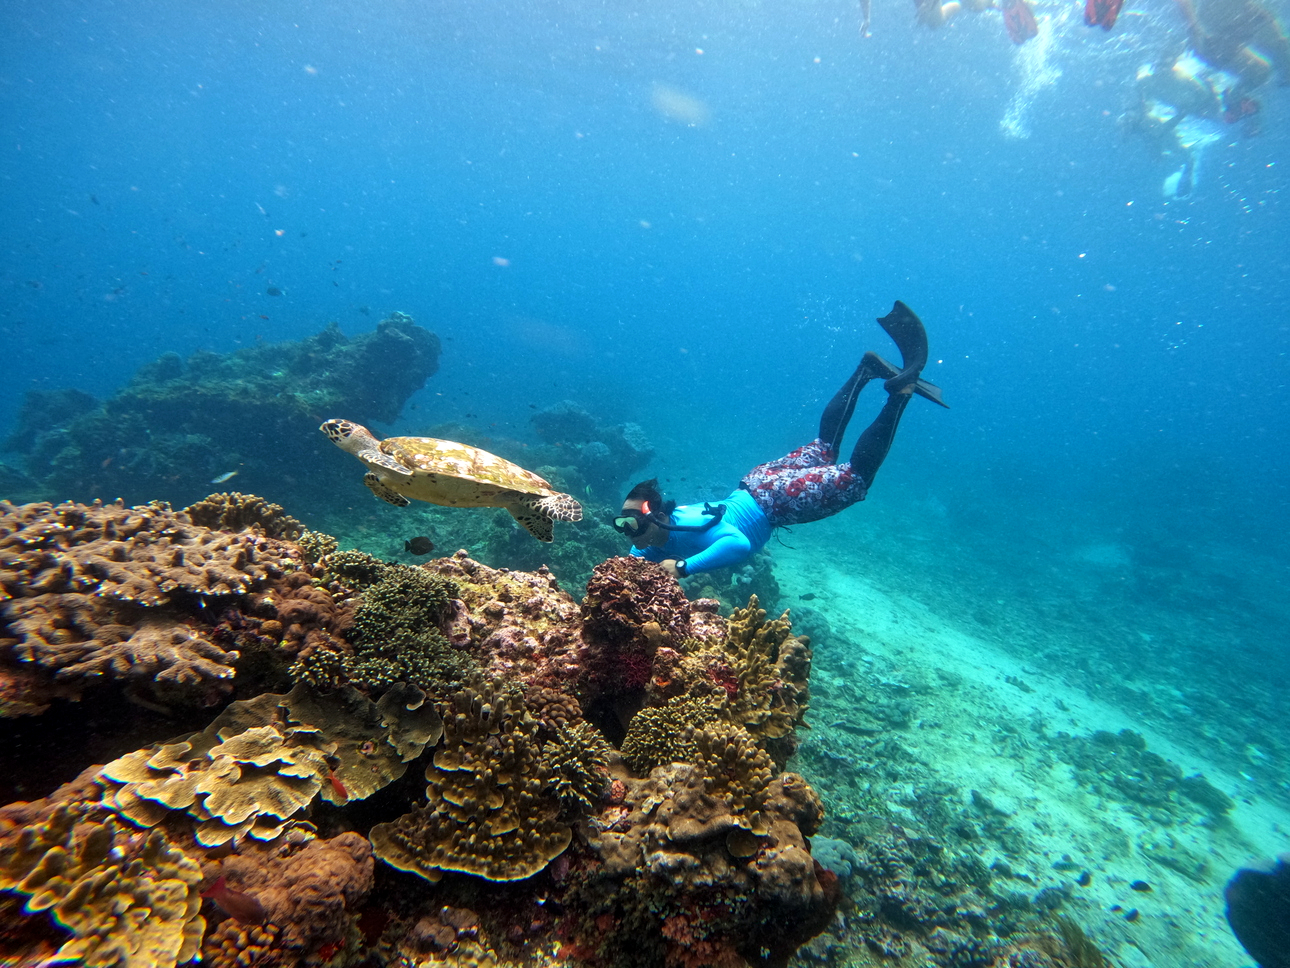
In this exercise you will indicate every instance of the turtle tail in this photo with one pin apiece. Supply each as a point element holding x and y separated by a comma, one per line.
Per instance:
<point>561,507</point>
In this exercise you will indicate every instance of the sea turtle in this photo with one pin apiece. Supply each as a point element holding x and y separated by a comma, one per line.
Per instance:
<point>452,474</point>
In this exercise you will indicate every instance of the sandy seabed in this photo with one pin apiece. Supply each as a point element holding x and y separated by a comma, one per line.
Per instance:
<point>984,718</point>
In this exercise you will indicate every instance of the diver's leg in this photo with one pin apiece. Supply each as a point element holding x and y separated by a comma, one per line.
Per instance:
<point>875,441</point>
<point>837,414</point>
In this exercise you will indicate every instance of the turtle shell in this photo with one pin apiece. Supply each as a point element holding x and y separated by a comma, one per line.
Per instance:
<point>449,459</point>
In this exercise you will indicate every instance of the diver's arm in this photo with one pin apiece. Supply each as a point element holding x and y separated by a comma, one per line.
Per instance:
<point>730,548</point>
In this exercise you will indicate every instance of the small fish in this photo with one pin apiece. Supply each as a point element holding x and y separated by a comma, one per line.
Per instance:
<point>1084,879</point>
<point>241,907</point>
<point>337,785</point>
<point>226,476</point>
<point>420,545</point>
<point>273,291</point>
<point>808,597</point>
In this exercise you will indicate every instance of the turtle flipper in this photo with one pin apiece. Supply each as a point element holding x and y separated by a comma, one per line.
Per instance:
<point>533,518</point>
<point>374,458</point>
<point>386,494</point>
<point>562,507</point>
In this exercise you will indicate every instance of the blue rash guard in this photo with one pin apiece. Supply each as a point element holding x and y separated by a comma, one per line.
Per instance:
<point>742,530</point>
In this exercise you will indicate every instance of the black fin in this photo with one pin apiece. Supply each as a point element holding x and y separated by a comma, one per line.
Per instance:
<point>885,370</point>
<point>907,332</point>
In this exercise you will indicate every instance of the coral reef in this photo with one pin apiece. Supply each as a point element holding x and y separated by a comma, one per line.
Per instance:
<point>103,592</point>
<point>687,846</point>
<point>235,511</point>
<point>492,804</point>
<point>127,899</point>
<point>180,423</point>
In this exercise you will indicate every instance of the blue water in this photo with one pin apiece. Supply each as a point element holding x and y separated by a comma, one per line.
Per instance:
<point>688,216</point>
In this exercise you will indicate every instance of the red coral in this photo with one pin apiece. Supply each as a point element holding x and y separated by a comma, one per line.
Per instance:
<point>632,609</point>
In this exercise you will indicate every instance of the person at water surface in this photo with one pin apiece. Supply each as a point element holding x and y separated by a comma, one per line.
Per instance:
<point>803,486</point>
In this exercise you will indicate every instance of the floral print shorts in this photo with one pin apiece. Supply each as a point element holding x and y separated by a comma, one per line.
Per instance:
<point>804,486</point>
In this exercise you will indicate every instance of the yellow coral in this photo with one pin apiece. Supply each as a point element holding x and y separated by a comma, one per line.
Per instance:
<point>771,666</point>
<point>127,901</point>
<point>261,763</point>
<point>664,734</point>
<point>492,807</point>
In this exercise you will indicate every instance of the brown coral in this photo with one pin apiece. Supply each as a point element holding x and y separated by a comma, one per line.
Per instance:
<point>128,900</point>
<point>492,808</point>
<point>236,511</point>
<point>311,894</point>
<point>771,666</point>
<point>632,609</point>
<point>109,592</point>
<point>704,862</point>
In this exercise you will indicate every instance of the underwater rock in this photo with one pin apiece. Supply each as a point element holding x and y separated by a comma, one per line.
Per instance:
<point>1120,767</point>
<point>180,423</point>
<point>605,456</point>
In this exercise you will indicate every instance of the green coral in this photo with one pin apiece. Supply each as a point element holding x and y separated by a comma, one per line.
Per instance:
<point>664,734</point>
<point>396,636</point>
<point>319,668</point>
<point>355,568</point>
<point>315,546</point>
<point>579,757</point>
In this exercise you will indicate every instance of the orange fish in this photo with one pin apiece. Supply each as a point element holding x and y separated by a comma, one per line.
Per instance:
<point>337,785</point>
<point>241,907</point>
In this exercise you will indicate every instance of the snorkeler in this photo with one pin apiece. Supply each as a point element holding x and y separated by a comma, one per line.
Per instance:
<point>806,485</point>
<point>1018,15</point>
<point>1167,94</point>
<point>1102,13</point>
<point>1244,38</point>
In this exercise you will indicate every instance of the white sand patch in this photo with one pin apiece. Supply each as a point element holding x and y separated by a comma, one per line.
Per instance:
<point>979,708</point>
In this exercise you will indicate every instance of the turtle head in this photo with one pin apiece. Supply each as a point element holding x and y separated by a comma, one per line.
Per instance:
<point>348,436</point>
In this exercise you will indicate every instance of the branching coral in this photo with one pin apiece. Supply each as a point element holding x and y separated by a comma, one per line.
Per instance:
<point>492,808</point>
<point>129,900</point>
<point>579,760</point>
<point>663,734</point>
<point>771,667</point>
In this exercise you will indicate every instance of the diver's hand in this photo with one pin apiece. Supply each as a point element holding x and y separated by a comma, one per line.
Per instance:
<point>669,566</point>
